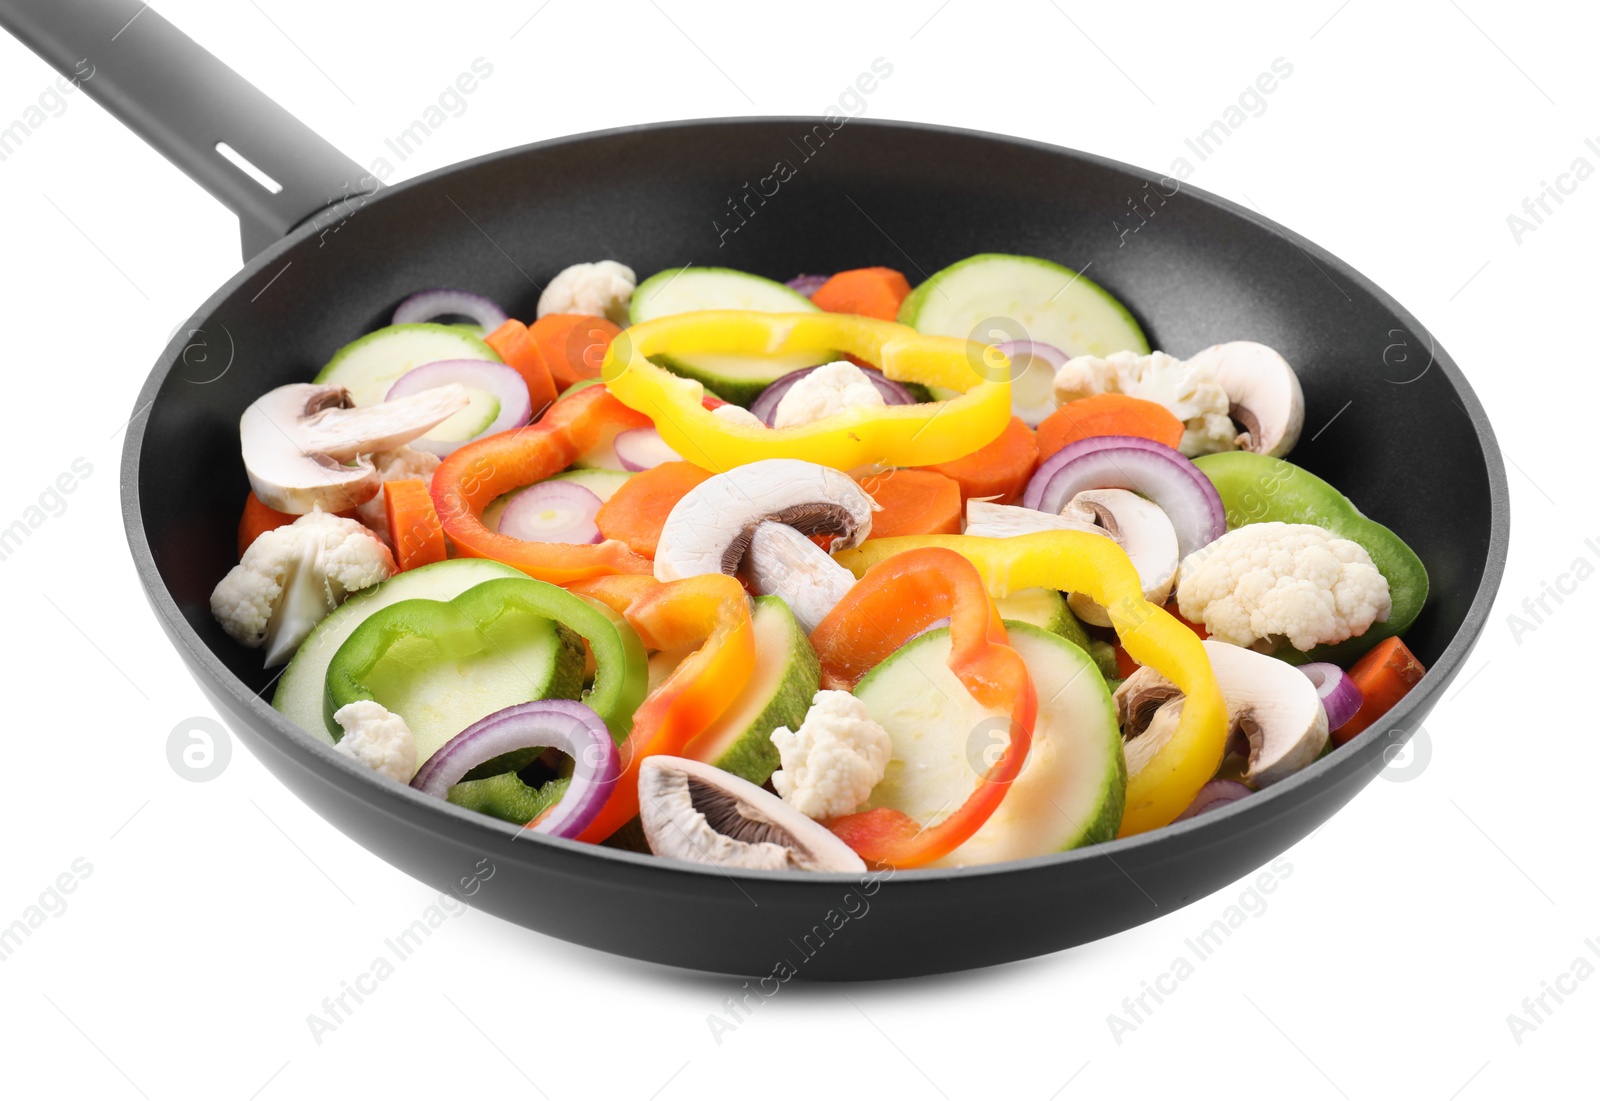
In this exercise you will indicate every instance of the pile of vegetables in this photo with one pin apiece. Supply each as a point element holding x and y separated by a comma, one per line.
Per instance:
<point>811,575</point>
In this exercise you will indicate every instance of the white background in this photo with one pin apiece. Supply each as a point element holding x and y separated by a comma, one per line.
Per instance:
<point>218,915</point>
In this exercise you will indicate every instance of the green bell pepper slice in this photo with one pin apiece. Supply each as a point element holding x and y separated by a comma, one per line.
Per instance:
<point>507,797</point>
<point>458,628</point>
<point>1259,489</point>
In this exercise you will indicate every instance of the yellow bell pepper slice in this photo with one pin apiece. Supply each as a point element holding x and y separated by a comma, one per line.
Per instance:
<point>1074,561</point>
<point>895,435</point>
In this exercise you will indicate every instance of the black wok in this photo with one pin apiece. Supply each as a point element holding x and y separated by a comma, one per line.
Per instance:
<point>336,253</point>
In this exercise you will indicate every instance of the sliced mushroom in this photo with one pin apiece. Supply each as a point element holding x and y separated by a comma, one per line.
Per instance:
<point>1264,396</point>
<point>1003,521</point>
<point>1268,702</point>
<point>696,812</point>
<point>709,530</point>
<point>1283,724</point>
<point>782,562</point>
<point>305,446</point>
<point>1148,709</point>
<point>1142,530</point>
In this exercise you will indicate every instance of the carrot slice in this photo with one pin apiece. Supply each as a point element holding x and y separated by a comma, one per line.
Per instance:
<point>513,344</point>
<point>414,526</point>
<point>573,345</point>
<point>258,518</point>
<point>1000,468</point>
<point>870,292</point>
<point>636,513</point>
<point>914,502</point>
<point>1108,415</point>
<point>1384,674</point>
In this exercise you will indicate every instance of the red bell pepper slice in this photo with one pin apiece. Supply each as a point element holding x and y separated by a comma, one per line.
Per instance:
<point>474,475</point>
<point>710,611</point>
<point>893,600</point>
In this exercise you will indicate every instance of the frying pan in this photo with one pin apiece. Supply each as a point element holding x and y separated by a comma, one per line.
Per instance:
<point>330,254</point>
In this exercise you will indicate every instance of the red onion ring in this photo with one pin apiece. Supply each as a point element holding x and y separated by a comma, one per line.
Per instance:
<point>766,404</point>
<point>571,510</point>
<point>642,448</point>
<point>1341,699</point>
<point>1214,794</point>
<point>1034,349</point>
<point>566,725</point>
<point>807,285</point>
<point>1048,354</point>
<point>508,387</point>
<point>440,302</point>
<point>1153,469</point>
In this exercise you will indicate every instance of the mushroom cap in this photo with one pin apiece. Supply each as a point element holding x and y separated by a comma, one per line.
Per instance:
<point>306,447</point>
<point>1264,395</point>
<point>709,530</point>
<point>1268,704</point>
<point>696,812</point>
<point>782,562</point>
<point>1142,530</point>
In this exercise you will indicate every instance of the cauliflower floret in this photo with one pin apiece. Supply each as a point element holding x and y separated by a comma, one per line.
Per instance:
<point>603,289</point>
<point>394,466</point>
<point>293,576</point>
<point>1265,582</point>
<point>738,414</point>
<point>831,388</point>
<point>832,763</point>
<point>378,738</point>
<point>1190,392</point>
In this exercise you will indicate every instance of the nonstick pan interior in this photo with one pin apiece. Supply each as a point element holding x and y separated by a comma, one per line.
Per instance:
<point>1389,421</point>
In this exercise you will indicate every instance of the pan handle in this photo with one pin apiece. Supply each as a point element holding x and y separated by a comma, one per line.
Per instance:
<point>195,111</point>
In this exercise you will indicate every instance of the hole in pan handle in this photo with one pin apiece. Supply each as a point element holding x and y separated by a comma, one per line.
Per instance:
<point>177,96</point>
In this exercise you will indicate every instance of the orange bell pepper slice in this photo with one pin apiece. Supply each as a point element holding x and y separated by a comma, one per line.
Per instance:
<point>474,475</point>
<point>893,600</point>
<point>711,611</point>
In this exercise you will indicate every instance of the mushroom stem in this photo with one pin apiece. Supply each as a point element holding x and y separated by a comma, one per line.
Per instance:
<point>782,562</point>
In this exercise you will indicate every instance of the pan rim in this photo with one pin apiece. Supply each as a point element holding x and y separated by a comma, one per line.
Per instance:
<point>1364,751</point>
